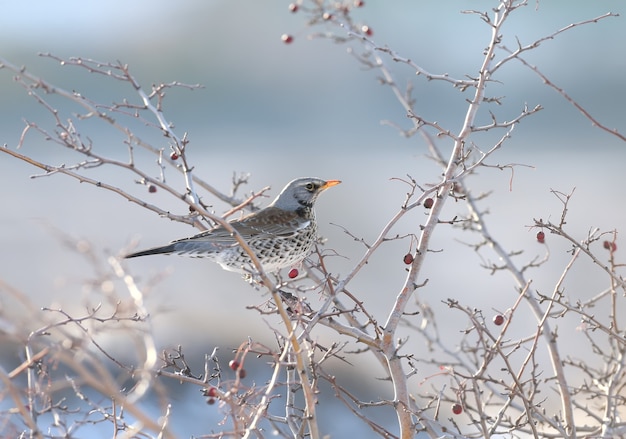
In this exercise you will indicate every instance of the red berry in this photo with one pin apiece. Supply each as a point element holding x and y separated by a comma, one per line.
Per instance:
<point>287,39</point>
<point>241,373</point>
<point>498,319</point>
<point>211,392</point>
<point>210,401</point>
<point>541,237</point>
<point>293,273</point>
<point>173,156</point>
<point>611,246</point>
<point>233,364</point>
<point>293,7</point>
<point>366,30</point>
<point>428,203</point>
<point>152,188</point>
<point>457,409</point>
<point>359,3</point>
<point>408,259</point>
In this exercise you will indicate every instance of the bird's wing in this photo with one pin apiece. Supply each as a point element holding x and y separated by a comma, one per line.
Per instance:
<point>269,222</point>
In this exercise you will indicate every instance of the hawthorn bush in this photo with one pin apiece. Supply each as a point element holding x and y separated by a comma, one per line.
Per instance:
<point>508,373</point>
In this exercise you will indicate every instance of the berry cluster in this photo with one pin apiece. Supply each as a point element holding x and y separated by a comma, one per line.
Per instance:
<point>211,393</point>
<point>238,368</point>
<point>328,16</point>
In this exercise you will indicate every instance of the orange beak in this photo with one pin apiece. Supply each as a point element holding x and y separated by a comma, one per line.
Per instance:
<point>330,183</point>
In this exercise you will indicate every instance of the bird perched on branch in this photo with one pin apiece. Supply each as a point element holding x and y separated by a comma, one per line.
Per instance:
<point>280,235</point>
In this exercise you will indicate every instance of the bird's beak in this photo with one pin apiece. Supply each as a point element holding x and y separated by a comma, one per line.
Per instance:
<point>330,183</point>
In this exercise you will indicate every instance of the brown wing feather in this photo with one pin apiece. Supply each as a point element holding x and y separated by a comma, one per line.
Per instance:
<point>268,222</point>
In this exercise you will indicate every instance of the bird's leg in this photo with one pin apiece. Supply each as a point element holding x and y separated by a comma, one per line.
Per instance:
<point>295,306</point>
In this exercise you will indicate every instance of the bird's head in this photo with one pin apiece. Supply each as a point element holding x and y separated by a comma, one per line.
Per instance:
<point>302,193</point>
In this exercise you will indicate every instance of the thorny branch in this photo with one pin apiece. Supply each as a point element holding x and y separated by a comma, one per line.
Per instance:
<point>493,374</point>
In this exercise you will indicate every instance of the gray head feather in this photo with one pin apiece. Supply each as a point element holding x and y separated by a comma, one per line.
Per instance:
<point>301,193</point>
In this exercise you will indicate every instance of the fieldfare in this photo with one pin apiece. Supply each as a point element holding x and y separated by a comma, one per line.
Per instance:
<point>280,235</point>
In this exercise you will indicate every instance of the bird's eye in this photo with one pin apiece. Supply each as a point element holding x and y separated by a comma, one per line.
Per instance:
<point>310,187</point>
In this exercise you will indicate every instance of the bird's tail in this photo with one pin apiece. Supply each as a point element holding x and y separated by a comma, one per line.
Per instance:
<point>152,251</point>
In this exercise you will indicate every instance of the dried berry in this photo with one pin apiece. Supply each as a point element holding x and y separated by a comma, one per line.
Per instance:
<point>611,246</point>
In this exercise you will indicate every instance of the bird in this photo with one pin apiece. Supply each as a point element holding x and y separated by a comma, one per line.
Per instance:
<point>281,235</point>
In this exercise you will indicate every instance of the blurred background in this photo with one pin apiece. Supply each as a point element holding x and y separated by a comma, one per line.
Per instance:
<point>279,111</point>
